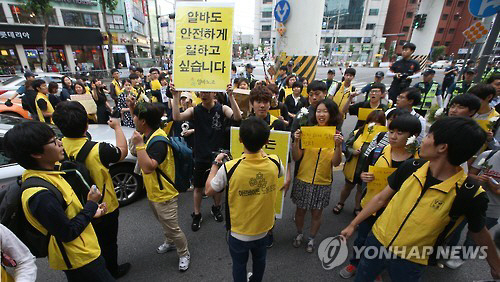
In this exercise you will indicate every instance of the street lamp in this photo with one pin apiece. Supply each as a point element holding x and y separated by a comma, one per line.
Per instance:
<point>335,28</point>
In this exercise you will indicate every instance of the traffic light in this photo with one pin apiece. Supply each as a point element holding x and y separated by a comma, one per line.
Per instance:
<point>416,21</point>
<point>422,20</point>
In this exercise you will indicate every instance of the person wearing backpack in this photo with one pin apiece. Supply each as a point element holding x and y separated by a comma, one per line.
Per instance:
<point>390,156</point>
<point>425,200</point>
<point>71,118</point>
<point>157,164</point>
<point>251,186</point>
<point>57,213</point>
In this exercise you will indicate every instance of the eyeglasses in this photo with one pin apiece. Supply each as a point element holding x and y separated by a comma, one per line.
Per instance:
<point>54,141</point>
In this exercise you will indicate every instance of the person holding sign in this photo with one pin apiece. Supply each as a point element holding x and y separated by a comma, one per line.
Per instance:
<point>382,162</point>
<point>362,109</point>
<point>296,101</point>
<point>208,118</point>
<point>260,100</point>
<point>313,184</point>
<point>317,92</point>
<point>356,145</point>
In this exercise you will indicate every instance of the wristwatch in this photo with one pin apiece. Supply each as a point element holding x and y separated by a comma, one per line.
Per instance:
<point>219,164</point>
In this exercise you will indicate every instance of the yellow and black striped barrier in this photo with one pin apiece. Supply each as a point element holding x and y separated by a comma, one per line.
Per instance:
<point>303,66</point>
<point>422,60</point>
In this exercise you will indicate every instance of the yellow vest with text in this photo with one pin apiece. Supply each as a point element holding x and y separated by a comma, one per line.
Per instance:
<point>316,166</point>
<point>82,250</point>
<point>98,172</point>
<point>252,192</point>
<point>385,160</point>
<point>412,219</point>
<point>166,191</point>
<point>50,109</point>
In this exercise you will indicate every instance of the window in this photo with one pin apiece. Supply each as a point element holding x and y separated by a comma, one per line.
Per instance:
<point>447,43</point>
<point>22,16</point>
<point>373,12</point>
<point>436,43</point>
<point>341,39</point>
<point>440,30</point>
<point>449,2</point>
<point>328,40</point>
<point>367,40</point>
<point>456,17</point>
<point>413,1</point>
<point>460,3</point>
<point>267,1</point>
<point>409,15</point>
<point>266,27</point>
<point>115,21</point>
<point>451,31</point>
<point>370,26</point>
<point>75,18</point>
<point>444,17</point>
<point>267,14</point>
<point>355,40</point>
<point>3,19</point>
<point>406,28</point>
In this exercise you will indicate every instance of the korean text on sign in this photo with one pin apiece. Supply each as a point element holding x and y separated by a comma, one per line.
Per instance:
<point>203,42</point>
<point>318,136</point>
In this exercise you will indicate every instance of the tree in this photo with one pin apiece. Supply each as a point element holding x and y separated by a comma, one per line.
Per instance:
<point>391,52</point>
<point>44,9</point>
<point>327,50</point>
<point>108,5</point>
<point>437,52</point>
<point>351,48</point>
<point>262,46</point>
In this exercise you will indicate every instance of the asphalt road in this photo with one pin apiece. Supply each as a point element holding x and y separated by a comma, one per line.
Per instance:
<point>140,234</point>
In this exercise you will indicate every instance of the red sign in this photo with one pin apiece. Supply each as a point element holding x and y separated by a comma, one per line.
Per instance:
<point>144,7</point>
<point>16,10</point>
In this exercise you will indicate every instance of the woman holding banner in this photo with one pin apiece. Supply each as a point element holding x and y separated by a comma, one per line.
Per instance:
<point>312,187</point>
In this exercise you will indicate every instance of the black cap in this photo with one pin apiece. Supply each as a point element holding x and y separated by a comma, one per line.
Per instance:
<point>331,71</point>
<point>29,73</point>
<point>250,66</point>
<point>471,70</point>
<point>379,74</point>
<point>114,70</point>
<point>132,68</point>
<point>429,71</point>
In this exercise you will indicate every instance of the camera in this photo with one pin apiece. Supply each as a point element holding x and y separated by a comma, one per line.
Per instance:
<point>227,152</point>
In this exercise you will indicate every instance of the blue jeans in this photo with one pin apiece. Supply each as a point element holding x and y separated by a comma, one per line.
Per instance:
<point>399,269</point>
<point>364,229</point>
<point>239,253</point>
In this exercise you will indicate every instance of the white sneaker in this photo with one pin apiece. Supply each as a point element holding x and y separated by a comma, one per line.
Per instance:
<point>454,263</point>
<point>184,263</point>
<point>249,275</point>
<point>165,247</point>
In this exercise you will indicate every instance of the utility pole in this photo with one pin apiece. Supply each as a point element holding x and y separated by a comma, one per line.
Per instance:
<point>151,41</point>
<point>488,48</point>
<point>158,31</point>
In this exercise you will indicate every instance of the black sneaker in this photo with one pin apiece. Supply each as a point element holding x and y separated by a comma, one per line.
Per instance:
<point>197,219</point>
<point>122,270</point>
<point>270,241</point>
<point>217,213</point>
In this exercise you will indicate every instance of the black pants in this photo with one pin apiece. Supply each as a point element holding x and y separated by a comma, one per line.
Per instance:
<point>106,229</point>
<point>95,271</point>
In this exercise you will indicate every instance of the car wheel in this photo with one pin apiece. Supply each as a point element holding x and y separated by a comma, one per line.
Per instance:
<point>128,185</point>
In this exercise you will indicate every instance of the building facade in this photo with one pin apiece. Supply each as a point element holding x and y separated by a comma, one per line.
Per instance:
<point>264,23</point>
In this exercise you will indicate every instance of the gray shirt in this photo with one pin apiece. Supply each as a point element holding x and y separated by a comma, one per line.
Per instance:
<point>494,161</point>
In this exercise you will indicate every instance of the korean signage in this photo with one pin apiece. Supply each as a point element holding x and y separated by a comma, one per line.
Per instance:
<point>203,42</point>
<point>24,34</point>
<point>79,2</point>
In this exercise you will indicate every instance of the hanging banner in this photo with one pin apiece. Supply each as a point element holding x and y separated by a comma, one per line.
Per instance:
<point>279,144</point>
<point>203,44</point>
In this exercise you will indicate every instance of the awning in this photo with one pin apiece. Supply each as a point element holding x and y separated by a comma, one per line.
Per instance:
<point>26,34</point>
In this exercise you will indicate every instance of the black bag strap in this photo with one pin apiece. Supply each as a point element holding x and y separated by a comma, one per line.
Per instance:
<point>277,163</point>
<point>490,155</point>
<point>464,196</point>
<point>85,151</point>
<point>228,176</point>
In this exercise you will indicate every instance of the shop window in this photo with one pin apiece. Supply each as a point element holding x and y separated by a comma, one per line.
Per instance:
<point>447,43</point>
<point>370,26</point>
<point>90,57</point>
<point>115,22</point>
<point>8,59</point>
<point>373,12</point>
<point>3,19</point>
<point>440,30</point>
<point>267,1</point>
<point>355,40</point>
<point>328,40</point>
<point>266,27</point>
<point>406,28</point>
<point>409,15</point>
<point>444,17</point>
<point>267,15</point>
<point>367,40</point>
<point>75,18</point>
<point>436,43</point>
<point>341,39</point>
<point>449,2</point>
<point>22,16</point>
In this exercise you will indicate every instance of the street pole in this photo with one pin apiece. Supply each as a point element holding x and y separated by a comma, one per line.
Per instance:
<point>488,48</point>
<point>158,31</point>
<point>470,46</point>
<point>151,42</point>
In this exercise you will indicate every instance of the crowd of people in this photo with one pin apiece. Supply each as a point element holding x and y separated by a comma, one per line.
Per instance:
<point>437,139</point>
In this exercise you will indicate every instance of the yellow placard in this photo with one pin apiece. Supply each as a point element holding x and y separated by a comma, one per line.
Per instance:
<point>242,98</point>
<point>380,174</point>
<point>369,132</point>
<point>276,112</point>
<point>483,123</point>
<point>364,112</point>
<point>87,102</point>
<point>278,145</point>
<point>203,45</point>
<point>318,136</point>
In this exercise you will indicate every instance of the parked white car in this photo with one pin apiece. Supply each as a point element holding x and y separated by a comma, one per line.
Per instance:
<point>440,64</point>
<point>9,86</point>
<point>128,185</point>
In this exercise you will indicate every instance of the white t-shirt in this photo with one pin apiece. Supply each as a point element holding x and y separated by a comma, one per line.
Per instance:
<point>10,245</point>
<point>494,172</point>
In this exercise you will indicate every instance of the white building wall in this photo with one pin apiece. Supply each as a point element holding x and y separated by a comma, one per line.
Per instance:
<point>424,37</point>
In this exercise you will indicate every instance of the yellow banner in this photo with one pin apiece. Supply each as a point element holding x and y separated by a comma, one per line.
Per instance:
<point>364,112</point>
<point>318,136</point>
<point>370,132</point>
<point>483,123</point>
<point>203,44</point>
<point>278,145</point>
<point>380,181</point>
<point>276,113</point>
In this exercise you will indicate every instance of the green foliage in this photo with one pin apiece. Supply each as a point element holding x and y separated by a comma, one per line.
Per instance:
<point>351,48</point>
<point>40,7</point>
<point>327,50</point>
<point>437,52</point>
<point>110,5</point>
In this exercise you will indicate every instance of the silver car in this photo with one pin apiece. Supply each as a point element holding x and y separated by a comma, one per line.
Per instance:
<point>128,185</point>
<point>9,86</point>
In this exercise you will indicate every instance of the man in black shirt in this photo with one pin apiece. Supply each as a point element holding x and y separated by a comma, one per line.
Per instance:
<point>449,76</point>
<point>403,71</point>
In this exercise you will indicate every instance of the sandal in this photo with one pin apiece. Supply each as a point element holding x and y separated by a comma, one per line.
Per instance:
<point>356,211</point>
<point>338,208</point>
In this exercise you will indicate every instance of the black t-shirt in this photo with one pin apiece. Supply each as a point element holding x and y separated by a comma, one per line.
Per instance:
<point>109,154</point>
<point>405,67</point>
<point>292,107</point>
<point>157,151</point>
<point>475,214</point>
<point>354,111</point>
<point>210,133</point>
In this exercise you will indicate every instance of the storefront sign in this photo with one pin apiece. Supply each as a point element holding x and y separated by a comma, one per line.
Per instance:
<point>21,34</point>
<point>79,2</point>
<point>203,43</point>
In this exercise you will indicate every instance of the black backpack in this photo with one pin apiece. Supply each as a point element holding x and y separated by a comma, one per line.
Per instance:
<point>77,173</point>
<point>13,217</point>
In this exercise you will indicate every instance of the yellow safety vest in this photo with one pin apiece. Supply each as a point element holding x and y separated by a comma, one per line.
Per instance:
<point>426,102</point>
<point>118,89</point>
<point>342,96</point>
<point>98,172</point>
<point>316,166</point>
<point>158,188</point>
<point>155,85</point>
<point>50,109</point>
<point>412,219</point>
<point>460,89</point>
<point>82,250</point>
<point>251,193</point>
